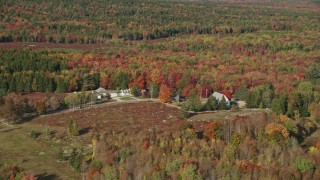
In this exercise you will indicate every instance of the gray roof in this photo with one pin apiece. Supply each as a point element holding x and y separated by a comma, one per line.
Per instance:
<point>101,90</point>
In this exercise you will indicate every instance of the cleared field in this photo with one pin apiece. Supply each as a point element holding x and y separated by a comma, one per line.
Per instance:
<point>37,157</point>
<point>119,117</point>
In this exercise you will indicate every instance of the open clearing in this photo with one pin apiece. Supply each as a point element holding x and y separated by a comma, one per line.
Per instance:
<point>121,116</point>
<point>36,156</point>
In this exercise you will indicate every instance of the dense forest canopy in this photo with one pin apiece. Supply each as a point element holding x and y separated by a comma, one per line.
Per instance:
<point>97,21</point>
<point>263,52</point>
<point>183,45</point>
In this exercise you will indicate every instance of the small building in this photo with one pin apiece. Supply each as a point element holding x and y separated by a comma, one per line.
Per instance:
<point>125,92</point>
<point>220,96</point>
<point>101,93</point>
<point>121,93</point>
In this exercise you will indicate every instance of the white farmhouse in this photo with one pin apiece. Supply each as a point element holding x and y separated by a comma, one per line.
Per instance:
<point>219,97</point>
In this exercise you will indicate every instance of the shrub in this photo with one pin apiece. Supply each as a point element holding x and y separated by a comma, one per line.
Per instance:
<point>60,155</point>
<point>33,134</point>
<point>156,176</point>
<point>185,126</point>
<point>135,91</point>
<point>230,152</point>
<point>303,164</point>
<point>190,173</point>
<point>234,107</point>
<point>173,166</point>
<point>41,107</point>
<point>124,153</point>
<point>11,172</point>
<point>190,134</point>
<point>111,174</point>
<point>96,164</point>
<point>184,113</point>
<point>236,140</point>
<point>75,160</point>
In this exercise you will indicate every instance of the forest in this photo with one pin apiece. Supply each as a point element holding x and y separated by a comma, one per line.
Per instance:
<point>98,21</point>
<point>254,51</point>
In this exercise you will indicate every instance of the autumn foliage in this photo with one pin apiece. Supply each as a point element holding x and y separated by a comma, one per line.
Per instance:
<point>277,131</point>
<point>165,94</point>
<point>212,130</point>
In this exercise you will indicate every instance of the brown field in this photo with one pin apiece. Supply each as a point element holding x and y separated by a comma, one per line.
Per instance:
<point>119,117</point>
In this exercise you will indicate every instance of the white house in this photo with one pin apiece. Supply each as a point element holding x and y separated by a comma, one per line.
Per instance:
<point>123,92</point>
<point>219,97</point>
<point>101,92</point>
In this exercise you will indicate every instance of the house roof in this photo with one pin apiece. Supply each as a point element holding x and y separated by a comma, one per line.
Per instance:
<point>101,90</point>
<point>219,96</point>
<point>227,94</point>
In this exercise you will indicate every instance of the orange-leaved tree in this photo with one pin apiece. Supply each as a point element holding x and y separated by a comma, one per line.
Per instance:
<point>165,94</point>
<point>212,131</point>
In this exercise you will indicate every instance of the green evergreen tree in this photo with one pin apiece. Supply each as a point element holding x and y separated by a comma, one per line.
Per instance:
<point>61,86</point>
<point>34,85</point>
<point>154,90</point>
<point>194,102</point>
<point>250,100</point>
<point>73,128</point>
<point>241,93</point>
<point>223,104</point>
<point>135,91</point>
<point>211,104</point>
<point>28,86</point>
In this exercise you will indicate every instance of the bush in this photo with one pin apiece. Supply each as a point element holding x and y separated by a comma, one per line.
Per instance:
<point>173,166</point>
<point>75,160</point>
<point>234,107</point>
<point>185,114</point>
<point>135,91</point>
<point>303,164</point>
<point>156,176</point>
<point>34,134</point>
<point>96,164</point>
<point>185,126</point>
<point>190,173</point>
<point>111,174</point>
<point>124,153</point>
<point>60,155</point>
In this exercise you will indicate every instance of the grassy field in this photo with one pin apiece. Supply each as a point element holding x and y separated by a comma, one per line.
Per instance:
<point>37,156</point>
